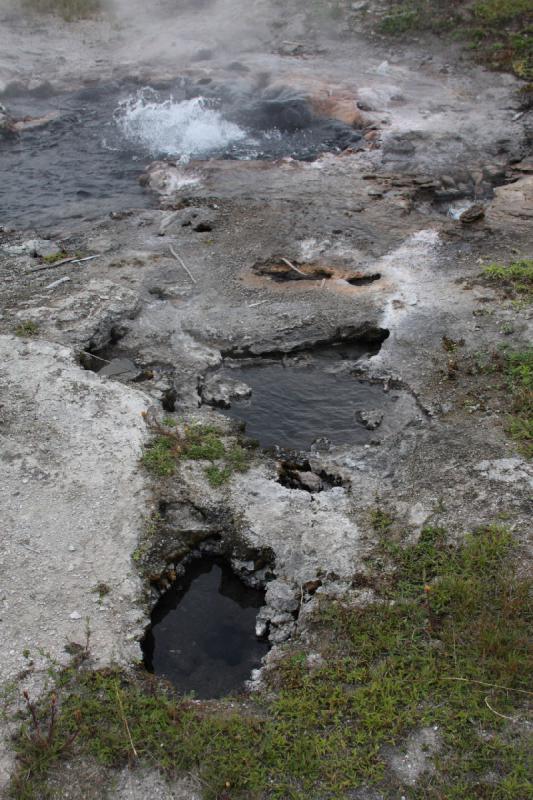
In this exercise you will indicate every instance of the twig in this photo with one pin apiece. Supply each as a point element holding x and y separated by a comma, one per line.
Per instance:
<point>83,260</point>
<point>503,716</point>
<point>71,260</point>
<point>260,303</point>
<point>491,685</point>
<point>181,261</point>
<point>299,271</point>
<point>53,285</point>
<point>323,283</point>
<point>31,549</point>
<point>125,721</point>
<point>54,265</point>
<point>92,355</point>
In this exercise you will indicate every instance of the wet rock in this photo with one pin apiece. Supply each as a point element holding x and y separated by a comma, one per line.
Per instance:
<point>371,419</point>
<point>280,596</point>
<point>122,369</point>
<point>6,122</point>
<point>321,445</point>
<point>219,392</point>
<point>472,214</point>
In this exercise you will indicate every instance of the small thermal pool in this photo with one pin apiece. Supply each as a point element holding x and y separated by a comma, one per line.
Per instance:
<point>202,637</point>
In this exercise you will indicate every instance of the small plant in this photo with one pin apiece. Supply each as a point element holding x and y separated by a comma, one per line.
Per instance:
<point>516,278</point>
<point>519,372</point>
<point>160,456</point>
<point>68,9</point>
<point>380,520</point>
<point>55,257</point>
<point>27,329</point>
<point>193,442</point>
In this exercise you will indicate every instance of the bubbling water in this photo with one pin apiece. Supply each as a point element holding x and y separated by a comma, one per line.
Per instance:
<point>180,129</point>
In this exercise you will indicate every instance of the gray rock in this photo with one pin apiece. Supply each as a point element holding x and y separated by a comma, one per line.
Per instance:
<point>220,392</point>
<point>371,419</point>
<point>121,369</point>
<point>280,596</point>
<point>309,481</point>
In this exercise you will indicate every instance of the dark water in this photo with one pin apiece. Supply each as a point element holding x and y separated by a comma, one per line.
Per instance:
<point>83,165</point>
<point>298,399</point>
<point>203,632</point>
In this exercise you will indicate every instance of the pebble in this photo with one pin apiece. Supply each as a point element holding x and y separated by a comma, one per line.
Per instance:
<point>75,615</point>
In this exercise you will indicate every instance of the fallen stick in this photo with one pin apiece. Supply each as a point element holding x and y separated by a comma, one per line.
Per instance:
<point>299,271</point>
<point>54,265</point>
<point>323,283</point>
<point>57,283</point>
<point>260,303</point>
<point>182,262</point>
<point>92,355</point>
<point>73,260</point>
<point>82,260</point>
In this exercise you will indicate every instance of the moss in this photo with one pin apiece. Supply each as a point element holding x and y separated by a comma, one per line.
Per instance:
<point>68,9</point>
<point>27,329</point>
<point>456,635</point>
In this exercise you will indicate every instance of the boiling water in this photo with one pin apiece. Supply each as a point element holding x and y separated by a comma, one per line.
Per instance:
<point>87,163</point>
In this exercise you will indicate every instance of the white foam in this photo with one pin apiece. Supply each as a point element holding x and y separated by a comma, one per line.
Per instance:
<point>182,129</point>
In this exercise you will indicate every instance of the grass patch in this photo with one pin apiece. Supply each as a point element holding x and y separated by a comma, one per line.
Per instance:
<point>457,633</point>
<point>499,32</point>
<point>516,279</point>
<point>194,442</point>
<point>68,9</point>
<point>519,372</point>
<point>27,329</point>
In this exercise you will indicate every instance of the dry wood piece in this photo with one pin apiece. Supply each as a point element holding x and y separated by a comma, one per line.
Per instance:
<point>299,271</point>
<point>181,261</point>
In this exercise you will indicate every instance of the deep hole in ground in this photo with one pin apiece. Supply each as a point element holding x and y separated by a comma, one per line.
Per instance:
<point>202,637</point>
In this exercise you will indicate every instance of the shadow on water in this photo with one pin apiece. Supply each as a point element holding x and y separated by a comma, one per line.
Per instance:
<point>202,637</point>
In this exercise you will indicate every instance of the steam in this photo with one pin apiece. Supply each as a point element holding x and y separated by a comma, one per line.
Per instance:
<point>181,129</point>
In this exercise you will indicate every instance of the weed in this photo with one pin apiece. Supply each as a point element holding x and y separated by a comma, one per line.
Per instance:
<point>68,9</point>
<point>194,442</point>
<point>55,257</point>
<point>519,373</point>
<point>27,329</point>
<point>498,31</point>
<point>160,457</point>
<point>380,520</point>
<point>452,650</point>
<point>217,476</point>
<point>515,279</point>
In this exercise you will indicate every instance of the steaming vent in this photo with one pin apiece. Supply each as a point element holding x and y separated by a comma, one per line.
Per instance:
<point>171,128</point>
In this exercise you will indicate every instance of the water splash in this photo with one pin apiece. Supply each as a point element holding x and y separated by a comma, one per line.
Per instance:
<point>181,129</point>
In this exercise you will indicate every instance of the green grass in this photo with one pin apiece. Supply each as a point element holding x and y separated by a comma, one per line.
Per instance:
<point>452,650</point>
<point>516,279</point>
<point>519,373</point>
<point>194,442</point>
<point>27,329</point>
<point>500,32</point>
<point>68,9</point>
